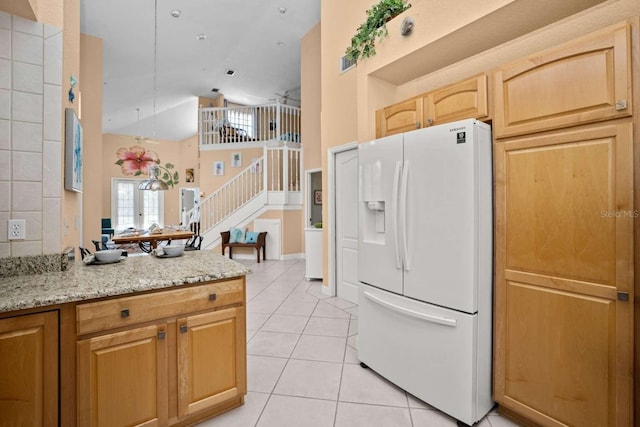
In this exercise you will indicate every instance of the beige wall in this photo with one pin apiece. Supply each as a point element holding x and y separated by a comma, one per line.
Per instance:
<point>92,84</point>
<point>209,182</point>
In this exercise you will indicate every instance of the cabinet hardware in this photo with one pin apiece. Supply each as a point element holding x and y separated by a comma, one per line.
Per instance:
<point>184,329</point>
<point>162,335</point>
<point>621,105</point>
<point>623,296</point>
<point>417,125</point>
<point>429,121</point>
<point>212,297</point>
<point>124,313</point>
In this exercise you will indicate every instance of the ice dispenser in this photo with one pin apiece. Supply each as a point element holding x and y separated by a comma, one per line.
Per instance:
<point>371,196</point>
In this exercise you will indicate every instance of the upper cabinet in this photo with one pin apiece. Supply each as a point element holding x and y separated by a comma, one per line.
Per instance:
<point>582,82</point>
<point>398,118</point>
<point>462,100</point>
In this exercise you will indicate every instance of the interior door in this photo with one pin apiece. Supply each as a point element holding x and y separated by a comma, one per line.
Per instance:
<point>346,181</point>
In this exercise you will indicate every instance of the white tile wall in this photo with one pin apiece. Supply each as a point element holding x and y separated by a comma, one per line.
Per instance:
<point>27,77</point>
<point>5,165</point>
<point>27,48</point>
<point>27,196</point>
<point>30,113</point>
<point>27,136</point>
<point>27,107</point>
<point>52,112</point>
<point>5,20</point>
<point>27,166</point>
<point>5,43</point>
<point>5,135</point>
<point>52,169</point>
<point>5,74</point>
<point>23,25</point>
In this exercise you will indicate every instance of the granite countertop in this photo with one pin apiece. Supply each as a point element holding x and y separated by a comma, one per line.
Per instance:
<point>133,274</point>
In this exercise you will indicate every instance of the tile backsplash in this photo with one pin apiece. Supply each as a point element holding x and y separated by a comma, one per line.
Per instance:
<point>30,134</point>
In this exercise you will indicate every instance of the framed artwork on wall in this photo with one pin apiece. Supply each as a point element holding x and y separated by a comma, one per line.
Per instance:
<point>189,175</point>
<point>317,197</point>
<point>236,160</point>
<point>218,169</point>
<point>72,151</point>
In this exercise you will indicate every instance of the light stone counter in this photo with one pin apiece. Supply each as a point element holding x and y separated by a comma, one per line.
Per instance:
<point>133,274</point>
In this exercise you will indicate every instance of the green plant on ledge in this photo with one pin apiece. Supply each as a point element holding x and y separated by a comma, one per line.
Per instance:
<point>363,42</point>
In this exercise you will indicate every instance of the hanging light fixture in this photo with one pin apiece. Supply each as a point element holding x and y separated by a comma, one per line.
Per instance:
<point>154,183</point>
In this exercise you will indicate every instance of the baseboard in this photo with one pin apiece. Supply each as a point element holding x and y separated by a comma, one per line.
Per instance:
<point>292,256</point>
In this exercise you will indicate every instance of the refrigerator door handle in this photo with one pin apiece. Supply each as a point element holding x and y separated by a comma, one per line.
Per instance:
<point>422,316</point>
<point>404,215</point>
<point>394,214</point>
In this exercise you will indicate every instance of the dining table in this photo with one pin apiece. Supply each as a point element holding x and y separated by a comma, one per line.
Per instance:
<point>151,238</point>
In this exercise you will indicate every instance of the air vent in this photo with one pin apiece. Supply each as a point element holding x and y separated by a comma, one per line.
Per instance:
<point>346,64</point>
<point>230,72</point>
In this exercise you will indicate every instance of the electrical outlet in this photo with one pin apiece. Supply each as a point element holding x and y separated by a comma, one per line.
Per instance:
<point>16,229</point>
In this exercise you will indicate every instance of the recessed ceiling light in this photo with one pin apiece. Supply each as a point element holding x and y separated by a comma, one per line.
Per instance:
<point>280,44</point>
<point>201,37</point>
<point>230,72</point>
<point>282,10</point>
<point>176,13</point>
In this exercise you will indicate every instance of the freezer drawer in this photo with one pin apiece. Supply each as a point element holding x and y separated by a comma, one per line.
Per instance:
<point>429,351</point>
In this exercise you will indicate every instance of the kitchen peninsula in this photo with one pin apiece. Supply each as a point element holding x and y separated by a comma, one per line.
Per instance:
<point>145,341</point>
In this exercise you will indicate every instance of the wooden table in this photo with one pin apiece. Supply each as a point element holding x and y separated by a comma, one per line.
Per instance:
<point>153,239</point>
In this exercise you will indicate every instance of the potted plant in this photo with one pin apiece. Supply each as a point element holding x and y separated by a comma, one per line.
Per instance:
<point>363,42</point>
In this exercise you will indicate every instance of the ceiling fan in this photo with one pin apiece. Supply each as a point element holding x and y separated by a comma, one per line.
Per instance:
<point>285,97</point>
<point>139,138</point>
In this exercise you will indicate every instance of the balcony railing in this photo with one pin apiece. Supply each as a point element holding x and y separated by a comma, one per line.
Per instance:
<point>220,126</point>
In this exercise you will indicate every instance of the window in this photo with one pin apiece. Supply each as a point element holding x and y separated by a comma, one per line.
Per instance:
<point>242,120</point>
<point>131,207</point>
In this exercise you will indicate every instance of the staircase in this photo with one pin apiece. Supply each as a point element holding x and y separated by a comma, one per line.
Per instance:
<point>270,182</point>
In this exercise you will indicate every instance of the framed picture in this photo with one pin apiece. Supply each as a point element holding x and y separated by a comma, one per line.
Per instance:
<point>189,175</point>
<point>317,197</point>
<point>72,151</point>
<point>218,169</point>
<point>236,160</point>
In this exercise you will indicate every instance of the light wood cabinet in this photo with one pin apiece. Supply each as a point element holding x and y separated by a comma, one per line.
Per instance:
<point>463,100</point>
<point>398,118</point>
<point>122,378</point>
<point>170,357</point>
<point>211,359</point>
<point>564,270</point>
<point>467,99</point>
<point>586,81</point>
<point>29,370</point>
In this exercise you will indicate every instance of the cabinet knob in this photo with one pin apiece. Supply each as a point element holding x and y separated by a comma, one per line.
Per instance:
<point>621,104</point>
<point>623,296</point>
<point>124,313</point>
<point>162,335</point>
<point>184,329</point>
<point>212,297</point>
<point>429,121</point>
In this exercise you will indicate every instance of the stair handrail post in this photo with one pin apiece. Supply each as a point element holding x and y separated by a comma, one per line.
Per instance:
<point>285,172</point>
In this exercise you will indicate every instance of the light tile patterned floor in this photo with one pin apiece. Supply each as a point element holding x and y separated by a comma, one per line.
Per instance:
<point>302,364</point>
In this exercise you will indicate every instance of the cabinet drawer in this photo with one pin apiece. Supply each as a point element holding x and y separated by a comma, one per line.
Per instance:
<point>116,313</point>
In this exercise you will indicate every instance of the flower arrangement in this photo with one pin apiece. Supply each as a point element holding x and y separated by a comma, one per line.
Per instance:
<point>363,42</point>
<point>135,161</point>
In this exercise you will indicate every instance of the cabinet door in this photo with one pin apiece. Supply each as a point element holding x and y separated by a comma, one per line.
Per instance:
<point>564,267</point>
<point>29,370</point>
<point>122,378</point>
<point>211,359</point>
<point>463,100</point>
<point>585,81</point>
<point>398,118</point>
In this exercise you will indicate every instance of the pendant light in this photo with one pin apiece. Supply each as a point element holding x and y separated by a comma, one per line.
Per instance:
<point>154,183</point>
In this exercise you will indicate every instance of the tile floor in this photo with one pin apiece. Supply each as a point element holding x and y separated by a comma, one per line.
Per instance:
<point>302,364</point>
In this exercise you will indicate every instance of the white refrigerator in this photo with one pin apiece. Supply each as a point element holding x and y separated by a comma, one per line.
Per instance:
<point>425,264</point>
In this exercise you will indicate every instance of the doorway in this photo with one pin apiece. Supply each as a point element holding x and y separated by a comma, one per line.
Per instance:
<point>343,231</point>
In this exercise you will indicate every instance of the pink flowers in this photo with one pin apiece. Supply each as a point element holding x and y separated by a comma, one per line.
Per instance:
<point>136,160</point>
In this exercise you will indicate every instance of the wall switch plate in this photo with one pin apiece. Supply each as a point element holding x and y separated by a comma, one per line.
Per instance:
<point>16,229</point>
